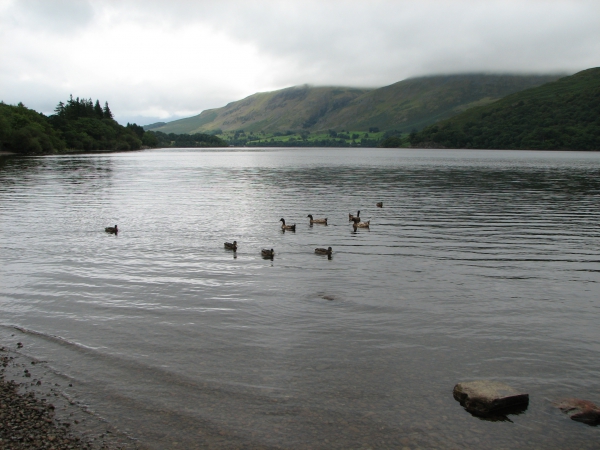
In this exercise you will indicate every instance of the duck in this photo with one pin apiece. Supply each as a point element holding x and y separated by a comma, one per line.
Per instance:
<point>323,251</point>
<point>323,221</point>
<point>113,230</point>
<point>362,224</point>
<point>287,227</point>
<point>352,218</point>
<point>380,204</point>
<point>266,253</point>
<point>231,246</point>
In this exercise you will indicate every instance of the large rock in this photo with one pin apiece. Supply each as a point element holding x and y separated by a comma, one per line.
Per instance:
<point>580,410</point>
<point>486,397</point>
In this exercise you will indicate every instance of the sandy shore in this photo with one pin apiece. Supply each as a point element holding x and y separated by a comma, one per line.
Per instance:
<point>36,414</point>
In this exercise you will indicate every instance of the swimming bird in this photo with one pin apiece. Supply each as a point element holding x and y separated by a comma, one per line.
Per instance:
<point>380,205</point>
<point>362,224</point>
<point>323,221</point>
<point>352,218</point>
<point>266,253</point>
<point>287,227</point>
<point>113,230</point>
<point>231,246</point>
<point>323,251</point>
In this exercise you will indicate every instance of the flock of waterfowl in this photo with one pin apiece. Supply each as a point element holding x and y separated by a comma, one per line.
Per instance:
<point>269,253</point>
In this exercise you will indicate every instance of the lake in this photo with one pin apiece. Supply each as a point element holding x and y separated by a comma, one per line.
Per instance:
<point>480,265</point>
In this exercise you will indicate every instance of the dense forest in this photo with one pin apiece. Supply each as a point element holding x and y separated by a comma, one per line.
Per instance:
<point>562,115</point>
<point>82,125</point>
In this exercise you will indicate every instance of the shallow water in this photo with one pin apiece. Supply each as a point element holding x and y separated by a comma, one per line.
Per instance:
<point>480,265</point>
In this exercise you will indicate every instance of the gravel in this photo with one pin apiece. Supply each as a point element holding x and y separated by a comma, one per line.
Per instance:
<point>30,422</point>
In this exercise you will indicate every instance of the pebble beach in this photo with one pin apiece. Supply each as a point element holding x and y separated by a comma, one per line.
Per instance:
<point>36,414</point>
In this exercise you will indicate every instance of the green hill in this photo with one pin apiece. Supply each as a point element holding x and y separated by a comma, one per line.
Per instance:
<point>564,114</point>
<point>408,104</point>
<point>293,108</point>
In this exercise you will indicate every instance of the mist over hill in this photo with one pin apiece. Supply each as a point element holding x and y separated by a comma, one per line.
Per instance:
<point>408,104</point>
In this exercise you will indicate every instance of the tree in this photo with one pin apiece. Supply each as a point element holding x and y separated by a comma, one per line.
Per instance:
<point>106,113</point>
<point>391,142</point>
<point>412,137</point>
<point>98,110</point>
<point>149,139</point>
<point>138,130</point>
<point>60,109</point>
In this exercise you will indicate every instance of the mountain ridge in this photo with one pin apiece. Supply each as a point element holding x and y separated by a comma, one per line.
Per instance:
<point>407,104</point>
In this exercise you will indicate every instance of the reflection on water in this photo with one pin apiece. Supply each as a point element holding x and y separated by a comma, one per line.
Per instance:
<point>479,265</point>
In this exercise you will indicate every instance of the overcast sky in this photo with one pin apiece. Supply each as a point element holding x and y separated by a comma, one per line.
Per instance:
<point>161,60</point>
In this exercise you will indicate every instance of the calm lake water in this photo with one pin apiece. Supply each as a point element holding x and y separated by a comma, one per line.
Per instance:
<point>480,265</point>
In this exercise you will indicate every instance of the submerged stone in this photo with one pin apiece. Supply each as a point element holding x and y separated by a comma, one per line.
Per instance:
<point>580,410</point>
<point>485,397</point>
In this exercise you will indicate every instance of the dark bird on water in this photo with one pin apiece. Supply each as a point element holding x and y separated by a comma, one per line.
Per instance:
<point>323,251</point>
<point>231,246</point>
<point>352,218</point>
<point>287,227</point>
<point>113,230</point>
<point>266,253</point>
<point>322,221</point>
<point>380,205</point>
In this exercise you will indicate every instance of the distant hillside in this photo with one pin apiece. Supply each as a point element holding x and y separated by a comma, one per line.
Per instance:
<point>408,104</point>
<point>293,108</point>
<point>564,114</point>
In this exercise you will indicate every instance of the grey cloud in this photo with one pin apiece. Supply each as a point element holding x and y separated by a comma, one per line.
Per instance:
<point>375,42</point>
<point>354,43</point>
<point>57,16</point>
<point>379,42</point>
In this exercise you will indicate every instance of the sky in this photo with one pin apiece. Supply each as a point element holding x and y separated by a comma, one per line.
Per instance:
<point>156,60</point>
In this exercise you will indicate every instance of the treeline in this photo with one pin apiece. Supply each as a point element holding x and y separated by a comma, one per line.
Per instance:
<point>563,115</point>
<point>86,126</point>
<point>23,130</point>
<point>82,125</point>
<point>160,139</point>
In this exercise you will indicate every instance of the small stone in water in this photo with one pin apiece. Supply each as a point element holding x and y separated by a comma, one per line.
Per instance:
<point>580,410</point>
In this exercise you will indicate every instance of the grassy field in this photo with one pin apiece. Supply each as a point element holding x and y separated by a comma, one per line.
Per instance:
<point>305,139</point>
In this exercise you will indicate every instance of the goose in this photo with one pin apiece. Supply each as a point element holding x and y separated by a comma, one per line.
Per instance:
<point>362,224</point>
<point>113,230</point>
<point>231,246</point>
<point>266,253</point>
<point>323,251</point>
<point>287,227</point>
<point>323,221</point>
<point>380,205</point>
<point>351,217</point>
